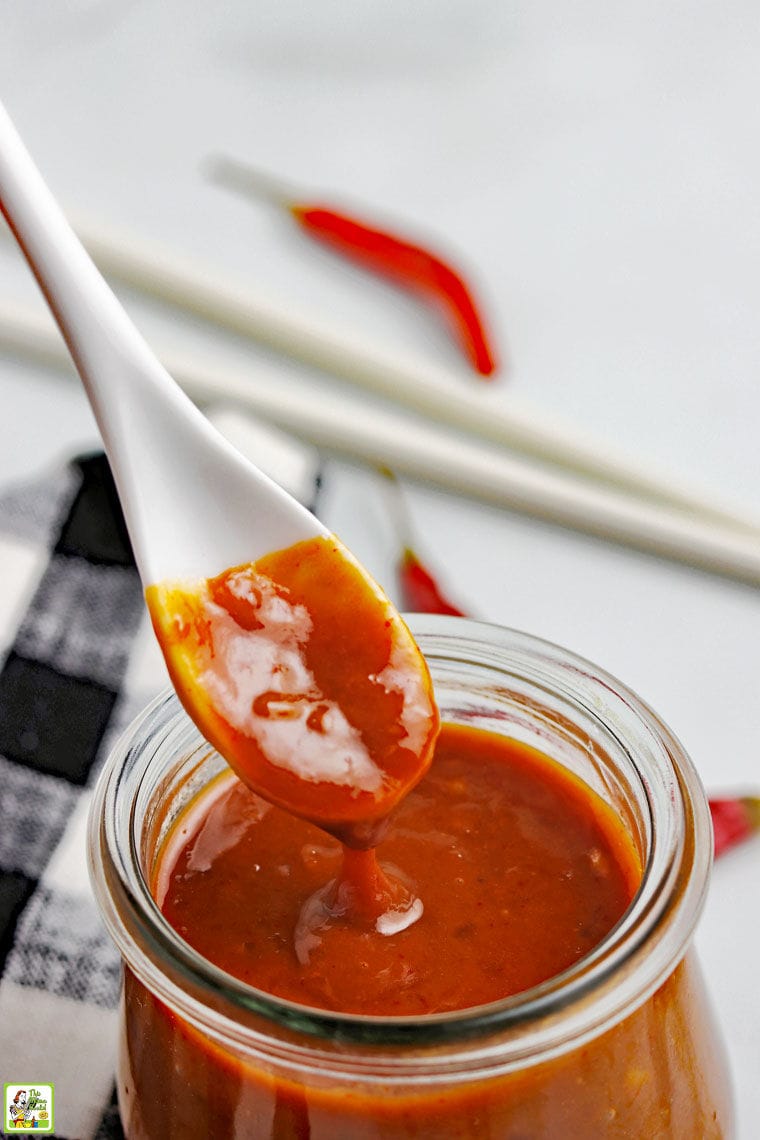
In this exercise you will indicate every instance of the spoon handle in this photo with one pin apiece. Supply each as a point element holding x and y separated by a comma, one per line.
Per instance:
<point>190,499</point>
<point>101,338</point>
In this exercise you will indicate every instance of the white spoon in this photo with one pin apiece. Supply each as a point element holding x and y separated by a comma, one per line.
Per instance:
<point>288,669</point>
<point>193,504</point>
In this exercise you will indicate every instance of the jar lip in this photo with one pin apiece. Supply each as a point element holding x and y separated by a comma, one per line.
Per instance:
<point>670,785</point>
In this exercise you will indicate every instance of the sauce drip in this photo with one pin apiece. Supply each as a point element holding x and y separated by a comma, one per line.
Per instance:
<point>304,677</point>
<point>521,868</point>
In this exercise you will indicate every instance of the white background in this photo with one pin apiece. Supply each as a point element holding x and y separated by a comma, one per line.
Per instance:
<point>595,165</point>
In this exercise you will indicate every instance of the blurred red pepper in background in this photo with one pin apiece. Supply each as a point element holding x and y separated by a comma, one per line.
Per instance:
<point>419,590</point>
<point>411,266</point>
<point>734,820</point>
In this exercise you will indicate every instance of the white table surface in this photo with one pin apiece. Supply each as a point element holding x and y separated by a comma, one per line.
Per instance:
<point>595,166</point>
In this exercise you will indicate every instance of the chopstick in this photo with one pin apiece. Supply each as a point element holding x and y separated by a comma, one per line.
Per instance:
<point>493,416</point>
<point>417,448</point>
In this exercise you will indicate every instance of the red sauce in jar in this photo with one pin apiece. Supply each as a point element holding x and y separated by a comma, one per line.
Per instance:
<point>508,870</point>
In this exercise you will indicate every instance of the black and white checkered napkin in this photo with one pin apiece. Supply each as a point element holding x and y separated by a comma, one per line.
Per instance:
<point>77,663</point>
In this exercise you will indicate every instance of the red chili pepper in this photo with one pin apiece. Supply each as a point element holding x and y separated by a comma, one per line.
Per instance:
<point>734,820</point>
<point>408,265</point>
<point>419,590</point>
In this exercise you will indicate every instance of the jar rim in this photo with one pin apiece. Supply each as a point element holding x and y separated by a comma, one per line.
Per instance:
<point>630,963</point>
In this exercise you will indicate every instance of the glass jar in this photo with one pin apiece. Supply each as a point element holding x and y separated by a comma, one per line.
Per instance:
<point>622,1044</point>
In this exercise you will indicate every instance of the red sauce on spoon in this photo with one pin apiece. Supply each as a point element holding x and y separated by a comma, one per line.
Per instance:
<point>304,677</point>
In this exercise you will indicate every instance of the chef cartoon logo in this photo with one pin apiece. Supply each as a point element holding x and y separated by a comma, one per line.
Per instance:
<point>28,1107</point>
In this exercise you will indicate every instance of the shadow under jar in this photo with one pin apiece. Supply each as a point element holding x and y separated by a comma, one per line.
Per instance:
<point>622,1044</point>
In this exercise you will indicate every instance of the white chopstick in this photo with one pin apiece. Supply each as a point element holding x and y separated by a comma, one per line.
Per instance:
<point>468,407</point>
<point>422,450</point>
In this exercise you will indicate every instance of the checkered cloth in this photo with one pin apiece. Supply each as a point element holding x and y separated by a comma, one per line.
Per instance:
<point>77,662</point>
